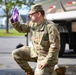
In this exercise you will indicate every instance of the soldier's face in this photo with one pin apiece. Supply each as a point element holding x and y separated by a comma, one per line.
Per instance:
<point>34,17</point>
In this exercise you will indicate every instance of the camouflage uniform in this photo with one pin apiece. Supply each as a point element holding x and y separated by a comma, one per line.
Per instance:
<point>46,43</point>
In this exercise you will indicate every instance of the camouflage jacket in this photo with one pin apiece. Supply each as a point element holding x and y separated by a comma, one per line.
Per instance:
<point>45,38</point>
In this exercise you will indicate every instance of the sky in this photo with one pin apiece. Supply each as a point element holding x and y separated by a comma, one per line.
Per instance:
<point>24,10</point>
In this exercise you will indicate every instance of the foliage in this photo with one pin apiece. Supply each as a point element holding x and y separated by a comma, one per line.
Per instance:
<point>10,5</point>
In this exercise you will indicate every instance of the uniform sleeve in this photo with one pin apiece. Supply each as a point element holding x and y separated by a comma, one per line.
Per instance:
<point>20,27</point>
<point>54,39</point>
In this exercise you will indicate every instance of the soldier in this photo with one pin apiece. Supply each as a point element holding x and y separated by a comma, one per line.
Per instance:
<point>46,42</point>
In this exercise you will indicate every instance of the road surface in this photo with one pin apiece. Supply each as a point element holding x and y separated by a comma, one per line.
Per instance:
<point>9,67</point>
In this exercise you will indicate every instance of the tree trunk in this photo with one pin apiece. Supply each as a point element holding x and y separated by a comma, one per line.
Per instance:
<point>7,21</point>
<point>7,26</point>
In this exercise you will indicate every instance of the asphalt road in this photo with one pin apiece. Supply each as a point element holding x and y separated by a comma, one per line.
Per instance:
<point>9,67</point>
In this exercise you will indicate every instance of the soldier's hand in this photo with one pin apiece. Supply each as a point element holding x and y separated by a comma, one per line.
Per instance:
<point>15,15</point>
<point>42,64</point>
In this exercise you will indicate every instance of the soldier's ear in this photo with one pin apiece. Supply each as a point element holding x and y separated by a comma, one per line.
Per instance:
<point>39,14</point>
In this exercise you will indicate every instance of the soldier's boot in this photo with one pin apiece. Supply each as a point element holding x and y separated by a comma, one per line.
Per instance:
<point>29,72</point>
<point>60,70</point>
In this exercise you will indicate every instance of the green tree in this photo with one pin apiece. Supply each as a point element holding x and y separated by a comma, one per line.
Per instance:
<point>10,5</point>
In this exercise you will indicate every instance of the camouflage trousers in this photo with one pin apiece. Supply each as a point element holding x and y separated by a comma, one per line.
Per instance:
<point>22,57</point>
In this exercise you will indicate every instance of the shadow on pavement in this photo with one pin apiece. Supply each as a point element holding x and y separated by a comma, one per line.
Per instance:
<point>70,70</point>
<point>12,72</point>
<point>69,54</point>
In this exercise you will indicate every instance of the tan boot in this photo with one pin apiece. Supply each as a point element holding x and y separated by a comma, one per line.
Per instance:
<point>30,72</point>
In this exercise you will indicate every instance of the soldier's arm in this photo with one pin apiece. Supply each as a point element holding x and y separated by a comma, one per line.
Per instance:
<point>24,27</point>
<point>54,39</point>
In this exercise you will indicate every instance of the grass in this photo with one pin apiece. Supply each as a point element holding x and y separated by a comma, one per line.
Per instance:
<point>12,32</point>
